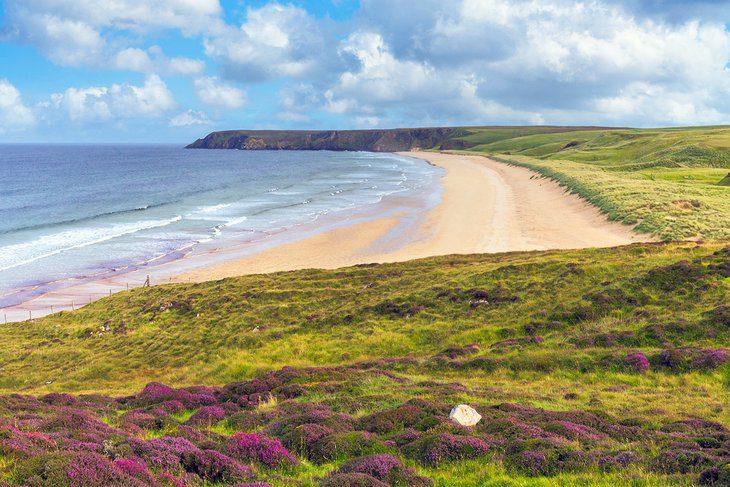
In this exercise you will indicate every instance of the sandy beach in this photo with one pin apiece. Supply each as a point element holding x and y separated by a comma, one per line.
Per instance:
<point>485,207</point>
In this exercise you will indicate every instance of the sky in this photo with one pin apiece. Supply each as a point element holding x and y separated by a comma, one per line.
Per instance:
<point>175,70</point>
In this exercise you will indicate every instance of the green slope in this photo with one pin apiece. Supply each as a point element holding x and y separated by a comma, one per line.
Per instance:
<point>665,181</point>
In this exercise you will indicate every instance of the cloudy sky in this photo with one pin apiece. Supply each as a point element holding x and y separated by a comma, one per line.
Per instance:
<point>173,70</point>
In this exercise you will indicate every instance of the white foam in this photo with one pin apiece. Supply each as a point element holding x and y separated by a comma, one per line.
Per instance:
<point>16,255</point>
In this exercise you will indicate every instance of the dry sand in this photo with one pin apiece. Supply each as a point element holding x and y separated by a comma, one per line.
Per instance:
<point>485,207</point>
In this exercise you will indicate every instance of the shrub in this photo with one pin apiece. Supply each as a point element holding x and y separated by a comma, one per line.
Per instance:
<point>302,438</point>
<point>681,461</point>
<point>435,449</point>
<point>213,466</point>
<point>261,449</point>
<point>351,480</point>
<point>637,362</point>
<point>383,467</point>
<point>134,468</point>
<point>87,469</point>
<point>165,452</point>
<point>416,413</point>
<point>718,476</point>
<point>685,359</point>
<point>207,416</point>
<point>345,445</point>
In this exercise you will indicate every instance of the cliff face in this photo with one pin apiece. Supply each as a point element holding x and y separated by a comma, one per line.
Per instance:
<point>388,140</point>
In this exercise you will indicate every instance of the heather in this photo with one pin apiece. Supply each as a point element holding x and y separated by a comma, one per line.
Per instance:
<point>589,367</point>
<point>412,442</point>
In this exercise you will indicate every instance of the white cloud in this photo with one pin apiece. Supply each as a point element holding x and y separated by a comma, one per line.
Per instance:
<point>212,91</point>
<point>188,118</point>
<point>97,34</point>
<point>14,115</point>
<point>153,60</point>
<point>559,61</point>
<point>152,99</point>
<point>275,40</point>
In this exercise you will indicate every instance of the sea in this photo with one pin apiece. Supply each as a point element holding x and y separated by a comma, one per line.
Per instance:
<point>79,211</point>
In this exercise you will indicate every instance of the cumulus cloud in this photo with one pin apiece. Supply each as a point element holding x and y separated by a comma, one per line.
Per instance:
<point>152,99</point>
<point>498,61</point>
<point>93,33</point>
<point>399,62</point>
<point>275,40</point>
<point>188,118</point>
<point>14,114</point>
<point>213,92</point>
<point>152,60</point>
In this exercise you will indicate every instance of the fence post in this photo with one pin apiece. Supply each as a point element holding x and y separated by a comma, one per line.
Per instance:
<point>51,309</point>
<point>73,308</point>
<point>30,315</point>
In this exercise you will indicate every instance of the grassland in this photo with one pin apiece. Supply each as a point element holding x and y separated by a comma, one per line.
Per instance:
<point>669,182</point>
<point>635,335</point>
<point>596,367</point>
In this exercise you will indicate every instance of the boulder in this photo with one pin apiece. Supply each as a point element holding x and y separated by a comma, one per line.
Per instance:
<point>464,415</point>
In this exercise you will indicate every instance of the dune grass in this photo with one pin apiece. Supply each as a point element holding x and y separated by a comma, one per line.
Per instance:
<point>667,182</point>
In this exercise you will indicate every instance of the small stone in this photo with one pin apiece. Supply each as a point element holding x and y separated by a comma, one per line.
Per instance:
<point>464,415</point>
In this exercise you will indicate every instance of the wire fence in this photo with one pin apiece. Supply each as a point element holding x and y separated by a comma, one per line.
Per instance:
<point>57,301</point>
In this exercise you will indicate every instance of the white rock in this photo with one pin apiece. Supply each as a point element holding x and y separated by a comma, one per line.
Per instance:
<point>464,415</point>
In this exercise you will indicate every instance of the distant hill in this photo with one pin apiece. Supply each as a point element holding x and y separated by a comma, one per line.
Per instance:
<point>377,140</point>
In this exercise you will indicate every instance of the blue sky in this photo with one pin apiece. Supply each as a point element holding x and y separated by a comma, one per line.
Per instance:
<point>174,70</point>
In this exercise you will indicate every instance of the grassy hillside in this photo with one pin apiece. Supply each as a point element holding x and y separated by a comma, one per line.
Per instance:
<point>669,182</point>
<point>594,367</point>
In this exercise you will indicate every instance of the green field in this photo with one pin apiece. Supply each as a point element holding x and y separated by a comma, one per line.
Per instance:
<point>672,183</point>
<point>547,330</point>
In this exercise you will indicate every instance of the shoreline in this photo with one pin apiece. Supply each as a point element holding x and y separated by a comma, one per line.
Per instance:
<point>485,207</point>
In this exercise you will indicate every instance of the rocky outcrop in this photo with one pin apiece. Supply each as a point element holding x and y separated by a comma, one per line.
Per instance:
<point>386,140</point>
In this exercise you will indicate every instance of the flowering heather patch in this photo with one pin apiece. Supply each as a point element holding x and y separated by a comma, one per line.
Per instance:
<point>302,438</point>
<point>385,468</point>
<point>686,359</point>
<point>434,449</point>
<point>59,399</point>
<point>351,480</point>
<point>416,413</point>
<point>207,415</point>
<point>165,452</point>
<point>141,419</point>
<point>154,393</point>
<point>213,466</point>
<point>261,449</point>
<point>345,445</point>
<point>87,469</point>
<point>52,438</point>
<point>637,362</point>
<point>574,431</point>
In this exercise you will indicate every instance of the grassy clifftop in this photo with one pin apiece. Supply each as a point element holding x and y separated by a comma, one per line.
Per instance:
<point>376,140</point>
<point>590,367</point>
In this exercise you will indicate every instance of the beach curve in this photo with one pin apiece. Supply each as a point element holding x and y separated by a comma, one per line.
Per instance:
<point>486,207</point>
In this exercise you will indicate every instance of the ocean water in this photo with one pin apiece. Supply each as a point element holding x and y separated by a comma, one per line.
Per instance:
<point>72,211</point>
